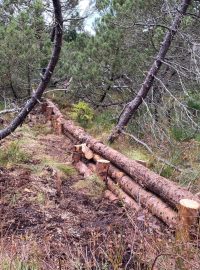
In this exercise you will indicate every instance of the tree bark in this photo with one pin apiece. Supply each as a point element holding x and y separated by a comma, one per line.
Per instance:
<point>132,106</point>
<point>148,200</point>
<point>46,78</point>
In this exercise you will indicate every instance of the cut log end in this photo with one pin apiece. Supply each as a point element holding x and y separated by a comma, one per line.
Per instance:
<point>102,168</point>
<point>86,151</point>
<point>191,204</point>
<point>188,211</point>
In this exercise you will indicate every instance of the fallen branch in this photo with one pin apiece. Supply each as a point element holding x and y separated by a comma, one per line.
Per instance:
<point>9,111</point>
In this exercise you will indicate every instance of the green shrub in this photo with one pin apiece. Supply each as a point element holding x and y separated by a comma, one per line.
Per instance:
<point>82,113</point>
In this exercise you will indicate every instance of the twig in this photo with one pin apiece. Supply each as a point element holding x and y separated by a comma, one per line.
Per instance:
<point>10,111</point>
<point>151,151</point>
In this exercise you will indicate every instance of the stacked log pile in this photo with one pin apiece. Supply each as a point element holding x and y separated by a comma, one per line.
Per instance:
<point>126,179</point>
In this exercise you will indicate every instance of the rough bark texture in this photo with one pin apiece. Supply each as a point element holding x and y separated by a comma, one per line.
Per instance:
<point>126,199</point>
<point>110,196</point>
<point>132,106</point>
<point>155,205</point>
<point>148,200</point>
<point>45,80</point>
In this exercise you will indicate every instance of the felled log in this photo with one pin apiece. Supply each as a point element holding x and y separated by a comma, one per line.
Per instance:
<point>148,200</point>
<point>83,169</point>
<point>110,196</point>
<point>164,188</point>
<point>188,212</point>
<point>127,200</point>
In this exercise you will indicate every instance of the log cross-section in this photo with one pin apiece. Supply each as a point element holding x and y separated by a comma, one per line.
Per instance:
<point>188,211</point>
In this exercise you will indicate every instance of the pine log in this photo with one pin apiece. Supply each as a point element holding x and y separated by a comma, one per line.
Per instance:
<point>188,211</point>
<point>164,188</point>
<point>127,200</point>
<point>148,200</point>
<point>83,169</point>
<point>110,196</point>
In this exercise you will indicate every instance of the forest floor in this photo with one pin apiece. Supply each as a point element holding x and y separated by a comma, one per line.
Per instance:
<point>43,228</point>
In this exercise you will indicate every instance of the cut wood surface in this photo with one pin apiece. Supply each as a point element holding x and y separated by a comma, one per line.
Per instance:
<point>86,151</point>
<point>102,168</point>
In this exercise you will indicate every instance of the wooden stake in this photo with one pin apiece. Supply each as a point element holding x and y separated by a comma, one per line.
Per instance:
<point>102,168</point>
<point>59,126</point>
<point>49,113</point>
<point>44,107</point>
<point>188,211</point>
<point>77,153</point>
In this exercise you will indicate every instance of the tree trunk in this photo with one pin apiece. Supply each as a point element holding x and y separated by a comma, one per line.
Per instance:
<point>132,106</point>
<point>47,76</point>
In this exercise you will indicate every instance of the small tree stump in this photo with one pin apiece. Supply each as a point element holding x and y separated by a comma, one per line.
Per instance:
<point>53,121</point>
<point>77,153</point>
<point>59,126</point>
<point>44,107</point>
<point>102,168</point>
<point>49,113</point>
<point>188,211</point>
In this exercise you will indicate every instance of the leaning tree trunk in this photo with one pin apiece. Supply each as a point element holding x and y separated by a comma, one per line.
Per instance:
<point>46,78</point>
<point>132,106</point>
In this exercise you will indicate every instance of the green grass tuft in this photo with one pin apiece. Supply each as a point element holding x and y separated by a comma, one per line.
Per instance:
<point>13,154</point>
